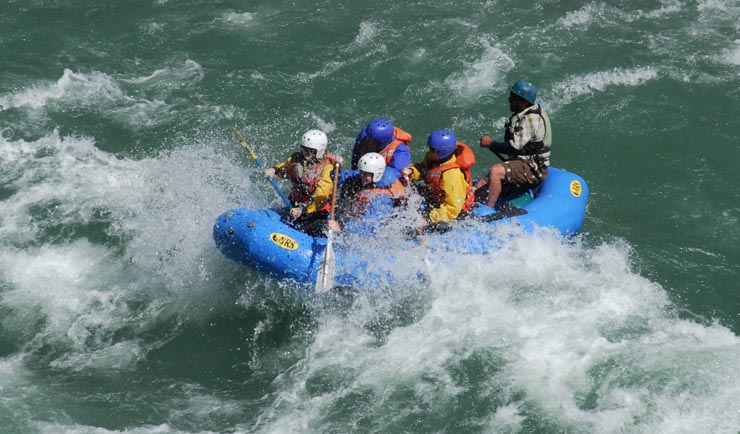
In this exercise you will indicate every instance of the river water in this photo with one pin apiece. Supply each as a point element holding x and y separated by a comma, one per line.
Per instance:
<point>118,314</point>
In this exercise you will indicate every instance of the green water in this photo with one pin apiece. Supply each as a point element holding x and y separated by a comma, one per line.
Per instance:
<point>118,314</point>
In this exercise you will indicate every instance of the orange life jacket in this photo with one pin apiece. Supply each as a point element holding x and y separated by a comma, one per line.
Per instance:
<point>401,137</point>
<point>305,178</point>
<point>464,160</point>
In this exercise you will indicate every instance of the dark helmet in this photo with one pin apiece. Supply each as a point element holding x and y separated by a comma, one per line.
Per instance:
<point>525,90</point>
<point>442,141</point>
<point>380,130</point>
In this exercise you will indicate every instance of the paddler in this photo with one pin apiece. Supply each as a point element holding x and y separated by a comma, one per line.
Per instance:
<point>368,198</point>
<point>310,171</point>
<point>392,143</point>
<point>446,171</point>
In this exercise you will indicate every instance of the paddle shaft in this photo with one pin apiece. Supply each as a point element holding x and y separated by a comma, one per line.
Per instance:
<point>334,191</point>
<point>500,157</point>
<point>325,275</point>
<point>251,153</point>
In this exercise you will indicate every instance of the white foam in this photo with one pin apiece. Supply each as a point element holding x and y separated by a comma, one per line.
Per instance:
<point>137,102</point>
<point>190,70</point>
<point>78,88</point>
<point>668,8</point>
<point>152,28</point>
<point>239,18</point>
<point>325,126</point>
<point>364,48</point>
<point>163,207</point>
<point>366,34</point>
<point>506,419</point>
<point>331,67</point>
<point>574,87</point>
<point>418,55</point>
<point>561,320</point>
<point>120,356</point>
<point>70,177</point>
<point>60,281</point>
<point>480,77</point>
<point>605,14</point>
<point>731,55</point>
<point>77,291</point>
<point>582,17</point>
<point>714,5</point>
<point>207,406</point>
<point>12,374</point>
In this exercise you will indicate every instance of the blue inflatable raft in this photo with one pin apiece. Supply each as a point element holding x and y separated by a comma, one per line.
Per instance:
<point>260,239</point>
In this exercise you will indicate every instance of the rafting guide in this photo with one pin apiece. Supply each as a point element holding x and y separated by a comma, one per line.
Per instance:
<point>527,142</point>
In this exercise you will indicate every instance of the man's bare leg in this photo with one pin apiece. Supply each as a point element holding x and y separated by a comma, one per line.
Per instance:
<point>495,176</point>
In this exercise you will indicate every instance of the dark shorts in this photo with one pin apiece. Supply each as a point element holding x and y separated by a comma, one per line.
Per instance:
<point>520,174</point>
<point>519,178</point>
<point>313,224</point>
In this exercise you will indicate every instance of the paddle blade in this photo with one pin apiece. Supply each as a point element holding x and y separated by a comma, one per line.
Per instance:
<point>327,269</point>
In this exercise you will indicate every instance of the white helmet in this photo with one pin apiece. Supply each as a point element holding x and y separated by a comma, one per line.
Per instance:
<point>374,163</point>
<point>315,139</point>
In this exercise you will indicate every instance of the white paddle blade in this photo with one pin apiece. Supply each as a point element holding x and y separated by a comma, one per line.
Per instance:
<point>327,269</point>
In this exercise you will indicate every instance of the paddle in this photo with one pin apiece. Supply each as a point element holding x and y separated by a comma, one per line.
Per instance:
<point>246,147</point>
<point>494,152</point>
<point>327,267</point>
<point>500,157</point>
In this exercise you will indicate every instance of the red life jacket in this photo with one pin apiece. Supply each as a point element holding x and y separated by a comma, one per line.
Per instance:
<point>304,178</point>
<point>464,160</point>
<point>401,137</point>
<point>396,191</point>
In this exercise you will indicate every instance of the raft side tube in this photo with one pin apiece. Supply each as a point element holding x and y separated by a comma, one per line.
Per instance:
<point>259,238</point>
<point>560,202</point>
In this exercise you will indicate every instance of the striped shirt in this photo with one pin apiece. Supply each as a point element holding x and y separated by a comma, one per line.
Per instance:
<point>526,127</point>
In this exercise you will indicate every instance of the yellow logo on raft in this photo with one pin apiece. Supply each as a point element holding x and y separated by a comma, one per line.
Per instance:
<point>284,241</point>
<point>575,188</point>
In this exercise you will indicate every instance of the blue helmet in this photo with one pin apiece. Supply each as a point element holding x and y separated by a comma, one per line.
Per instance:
<point>442,141</point>
<point>525,90</point>
<point>380,130</point>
